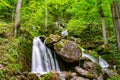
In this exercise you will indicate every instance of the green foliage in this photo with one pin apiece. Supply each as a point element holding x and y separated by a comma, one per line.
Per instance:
<point>114,78</point>
<point>94,54</point>
<point>11,59</point>
<point>25,48</point>
<point>6,9</point>
<point>5,27</point>
<point>75,27</point>
<point>46,77</point>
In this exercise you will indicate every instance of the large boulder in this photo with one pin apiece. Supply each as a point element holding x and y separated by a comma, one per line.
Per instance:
<point>68,50</point>
<point>92,67</point>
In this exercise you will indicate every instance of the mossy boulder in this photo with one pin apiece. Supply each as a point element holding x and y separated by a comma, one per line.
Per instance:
<point>92,67</point>
<point>68,50</point>
<point>52,39</point>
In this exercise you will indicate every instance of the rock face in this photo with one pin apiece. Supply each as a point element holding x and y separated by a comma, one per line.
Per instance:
<point>68,50</point>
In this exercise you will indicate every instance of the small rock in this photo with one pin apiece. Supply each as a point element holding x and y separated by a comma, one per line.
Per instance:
<point>33,76</point>
<point>84,73</point>
<point>110,73</point>
<point>79,78</point>
<point>100,77</point>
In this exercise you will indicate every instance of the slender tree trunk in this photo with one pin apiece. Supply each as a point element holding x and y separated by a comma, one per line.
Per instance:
<point>116,21</point>
<point>103,23</point>
<point>46,16</point>
<point>104,30</point>
<point>17,17</point>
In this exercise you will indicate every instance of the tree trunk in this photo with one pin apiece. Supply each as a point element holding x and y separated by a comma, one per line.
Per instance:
<point>104,30</point>
<point>116,21</point>
<point>17,17</point>
<point>103,23</point>
<point>46,16</point>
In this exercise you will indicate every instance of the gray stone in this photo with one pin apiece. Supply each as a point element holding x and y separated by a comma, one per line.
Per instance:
<point>68,50</point>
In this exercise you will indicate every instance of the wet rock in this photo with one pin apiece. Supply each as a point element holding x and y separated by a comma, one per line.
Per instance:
<point>25,73</point>
<point>90,66</point>
<point>79,78</point>
<point>84,73</point>
<point>21,77</point>
<point>33,76</point>
<point>68,50</point>
<point>100,77</point>
<point>109,72</point>
<point>52,75</point>
<point>94,68</point>
<point>67,75</point>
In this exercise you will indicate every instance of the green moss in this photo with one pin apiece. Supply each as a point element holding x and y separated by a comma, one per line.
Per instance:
<point>46,76</point>
<point>59,46</point>
<point>64,41</point>
<point>94,54</point>
<point>48,40</point>
<point>89,75</point>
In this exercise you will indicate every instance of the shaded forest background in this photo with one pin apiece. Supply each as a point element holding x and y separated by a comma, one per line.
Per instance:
<point>93,21</point>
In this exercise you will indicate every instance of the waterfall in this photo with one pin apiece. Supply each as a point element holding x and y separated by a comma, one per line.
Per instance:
<point>88,56</point>
<point>103,63</point>
<point>42,59</point>
<point>64,33</point>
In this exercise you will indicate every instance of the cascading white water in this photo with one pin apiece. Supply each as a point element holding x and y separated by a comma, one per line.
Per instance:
<point>103,63</point>
<point>42,59</point>
<point>64,33</point>
<point>88,56</point>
